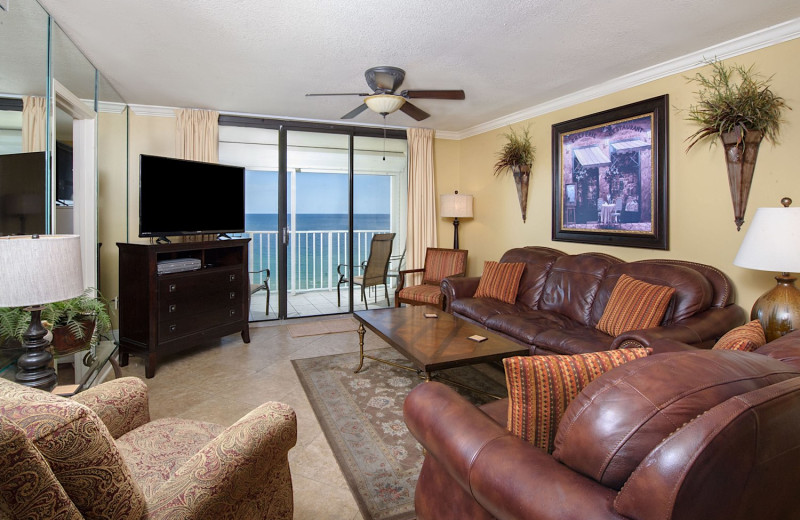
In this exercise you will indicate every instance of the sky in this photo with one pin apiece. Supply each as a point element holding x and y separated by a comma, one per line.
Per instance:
<point>319,193</point>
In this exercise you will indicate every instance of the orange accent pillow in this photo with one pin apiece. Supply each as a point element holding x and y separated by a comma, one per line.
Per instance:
<point>540,389</point>
<point>634,305</point>
<point>748,338</point>
<point>500,281</point>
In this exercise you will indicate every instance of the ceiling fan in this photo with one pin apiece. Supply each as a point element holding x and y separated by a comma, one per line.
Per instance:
<point>384,82</point>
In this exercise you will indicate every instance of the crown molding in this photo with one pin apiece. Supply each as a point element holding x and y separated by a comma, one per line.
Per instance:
<point>151,110</point>
<point>750,42</point>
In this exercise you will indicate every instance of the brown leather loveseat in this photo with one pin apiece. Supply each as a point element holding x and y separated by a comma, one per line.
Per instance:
<point>561,298</point>
<point>698,434</point>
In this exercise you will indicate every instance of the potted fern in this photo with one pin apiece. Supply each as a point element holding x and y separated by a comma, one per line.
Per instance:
<point>739,107</point>
<point>517,155</point>
<point>75,323</point>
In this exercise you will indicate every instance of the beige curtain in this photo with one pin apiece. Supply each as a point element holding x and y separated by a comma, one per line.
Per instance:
<point>197,139</point>
<point>421,196</point>
<point>198,135</point>
<point>34,124</point>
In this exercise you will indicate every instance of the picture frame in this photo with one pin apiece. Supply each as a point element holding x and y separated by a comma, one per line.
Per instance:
<point>610,176</point>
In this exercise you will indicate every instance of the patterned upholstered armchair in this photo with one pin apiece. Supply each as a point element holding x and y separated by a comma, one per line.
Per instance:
<point>99,456</point>
<point>439,264</point>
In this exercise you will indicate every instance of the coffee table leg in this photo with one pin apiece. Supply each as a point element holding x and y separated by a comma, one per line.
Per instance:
<point>361,332</point>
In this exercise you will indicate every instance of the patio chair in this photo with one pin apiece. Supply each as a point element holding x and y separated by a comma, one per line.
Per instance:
<point>439,264</point>
<point>374,269</point>
<point>263,285</point>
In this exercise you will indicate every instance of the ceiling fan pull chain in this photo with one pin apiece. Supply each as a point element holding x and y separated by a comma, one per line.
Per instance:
<point>384,137</point>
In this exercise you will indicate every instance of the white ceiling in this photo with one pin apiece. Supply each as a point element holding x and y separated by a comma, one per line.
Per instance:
<point>261,57</point>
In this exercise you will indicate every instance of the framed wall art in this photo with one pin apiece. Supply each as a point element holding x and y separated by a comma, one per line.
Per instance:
<point>610,177</point>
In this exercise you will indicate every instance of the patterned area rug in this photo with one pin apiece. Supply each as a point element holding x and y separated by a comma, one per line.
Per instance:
<point>362,417</point>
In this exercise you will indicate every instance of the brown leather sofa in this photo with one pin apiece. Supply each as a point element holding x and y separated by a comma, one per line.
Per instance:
<point>699,434</point>
<point>561,298</point>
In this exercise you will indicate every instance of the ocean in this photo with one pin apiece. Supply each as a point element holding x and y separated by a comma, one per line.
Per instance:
<point>319,247</point>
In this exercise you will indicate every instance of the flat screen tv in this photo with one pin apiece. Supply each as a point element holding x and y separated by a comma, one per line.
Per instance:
<point>22,194</point>
<point>180,197</point>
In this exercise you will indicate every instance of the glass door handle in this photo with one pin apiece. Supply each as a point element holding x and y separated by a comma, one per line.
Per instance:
<point>285,236</point>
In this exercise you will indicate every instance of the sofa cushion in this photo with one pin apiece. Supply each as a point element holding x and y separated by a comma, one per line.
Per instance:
<point>151,462</point>
<point>693,291</point>
<point>538,262</point>
<point>430,294</point>
<point>634,305</point>
<point>624,414</point>
<point>525,326</point>
<point>481,310</point>
<point>500,281</point>
<point>748,337</point>
<point>573,338</point>
<point>572,284</point>
<point>541,387</point>
<point>78,449</point>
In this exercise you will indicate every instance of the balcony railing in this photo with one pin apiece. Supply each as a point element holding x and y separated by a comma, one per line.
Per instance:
<point>313,256</point>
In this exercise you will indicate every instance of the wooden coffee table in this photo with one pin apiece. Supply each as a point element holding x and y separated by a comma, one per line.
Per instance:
<point>432,344</point>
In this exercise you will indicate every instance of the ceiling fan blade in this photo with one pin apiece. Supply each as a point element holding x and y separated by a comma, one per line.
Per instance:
<point>341,94</point>
<point>414,111</point>
<point>433,94</point>
<point>353,113</point>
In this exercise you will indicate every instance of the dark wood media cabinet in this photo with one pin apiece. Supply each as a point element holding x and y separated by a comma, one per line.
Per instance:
<point>161,314</point>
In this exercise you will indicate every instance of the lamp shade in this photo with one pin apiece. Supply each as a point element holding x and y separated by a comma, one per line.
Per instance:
<point>772,242</point>
<point>384,103</point>
<point>455,205</point>
<point>38,270</point>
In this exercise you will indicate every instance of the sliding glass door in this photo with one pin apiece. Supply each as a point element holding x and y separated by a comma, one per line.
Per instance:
<point>314,200</point>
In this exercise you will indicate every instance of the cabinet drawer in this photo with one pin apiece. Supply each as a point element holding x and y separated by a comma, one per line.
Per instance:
<point>179,308</point>
<point>181,325</point>
<point>199,284</point>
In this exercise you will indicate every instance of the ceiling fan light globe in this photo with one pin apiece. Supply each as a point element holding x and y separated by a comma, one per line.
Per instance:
<point>384,103</point>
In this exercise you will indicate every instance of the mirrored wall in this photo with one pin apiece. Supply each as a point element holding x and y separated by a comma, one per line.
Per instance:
<point>63,128</point>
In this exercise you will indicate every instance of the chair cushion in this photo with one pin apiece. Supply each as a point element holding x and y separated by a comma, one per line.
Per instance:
<point>748,337</point>
<point>634,305</point>
<point>156,450</point>
<point>624,414</point>
<point>541,387</point>
<point>79,450</point>
<point>28,487</point>
<point>500,281</point>
<point>423,294</point>
<point>441,263</point>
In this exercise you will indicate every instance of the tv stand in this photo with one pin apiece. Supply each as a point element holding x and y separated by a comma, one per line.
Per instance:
<point>162,314</point>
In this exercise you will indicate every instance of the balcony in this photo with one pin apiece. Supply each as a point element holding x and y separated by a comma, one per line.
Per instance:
<point>313,259</point>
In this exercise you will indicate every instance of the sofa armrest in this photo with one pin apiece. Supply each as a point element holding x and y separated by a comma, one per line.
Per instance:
<point>459,287</point>
<point>121,404</point>
<point>243,473</point>
<point>510,478</point>
<point>701,330</point>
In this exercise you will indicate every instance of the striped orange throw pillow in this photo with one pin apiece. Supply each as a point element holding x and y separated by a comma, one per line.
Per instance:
<point>634,305</point>
<point>500,281</point>
<point>748,338</point>
<point>541,387</point>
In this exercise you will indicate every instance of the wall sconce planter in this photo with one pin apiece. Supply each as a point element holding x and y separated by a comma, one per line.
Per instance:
<point>740,156</point>
<point>517,155</point>
<point>737,105</point>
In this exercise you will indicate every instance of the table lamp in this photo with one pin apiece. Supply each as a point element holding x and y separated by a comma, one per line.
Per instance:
<point>772,243</point>
<point>455,206</point>
<point>37,270</point>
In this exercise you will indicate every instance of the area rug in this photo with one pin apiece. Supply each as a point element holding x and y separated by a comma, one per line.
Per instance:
<point>316,328</point>
<point>362,417</point>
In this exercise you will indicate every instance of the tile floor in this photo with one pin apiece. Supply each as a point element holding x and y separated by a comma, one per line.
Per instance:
<point>314,303</point>
<point>223,382</point>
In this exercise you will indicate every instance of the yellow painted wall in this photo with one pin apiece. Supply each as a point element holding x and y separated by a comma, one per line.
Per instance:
<point>701,224</point>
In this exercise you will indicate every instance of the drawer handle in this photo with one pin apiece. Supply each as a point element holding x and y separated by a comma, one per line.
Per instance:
<point>173,287</point>
<point>172,308</point>
<point>173,328</point>
<point>232,312</point>
<point>232,295</point>
<point>231,277</point>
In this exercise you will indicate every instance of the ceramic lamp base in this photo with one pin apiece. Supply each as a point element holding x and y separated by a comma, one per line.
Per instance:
<point>778,310</point>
